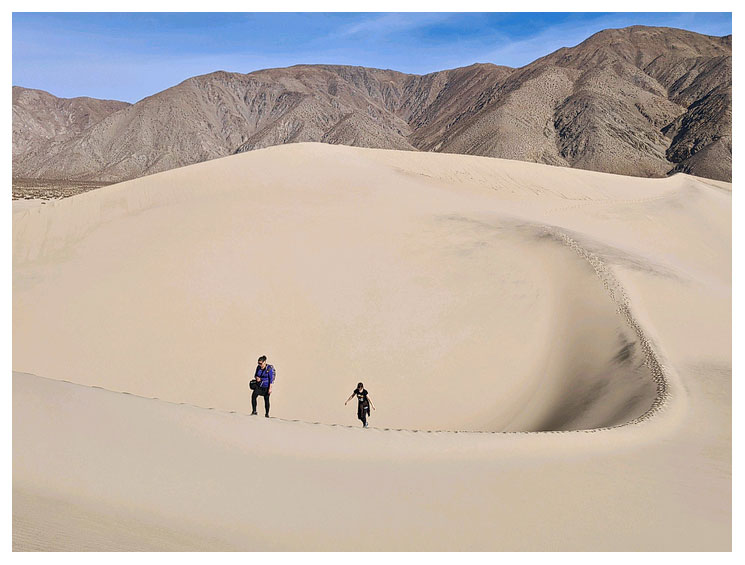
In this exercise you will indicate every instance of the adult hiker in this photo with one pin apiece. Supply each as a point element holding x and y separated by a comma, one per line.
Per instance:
<point>364,401</point>
<point>262,384</point>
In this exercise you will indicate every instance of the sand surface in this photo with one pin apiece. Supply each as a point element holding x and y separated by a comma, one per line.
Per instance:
<point>573,328</point>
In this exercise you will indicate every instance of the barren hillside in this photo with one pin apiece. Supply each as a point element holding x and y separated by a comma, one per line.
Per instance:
<point>637,101</point>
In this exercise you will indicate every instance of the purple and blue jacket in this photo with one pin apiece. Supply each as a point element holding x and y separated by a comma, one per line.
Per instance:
<point>266,375</point>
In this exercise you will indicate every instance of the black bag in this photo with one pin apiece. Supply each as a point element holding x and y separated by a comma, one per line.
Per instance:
<point>254,384</point>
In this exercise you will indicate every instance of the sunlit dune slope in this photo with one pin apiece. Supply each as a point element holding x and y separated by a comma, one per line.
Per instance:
<point>588,313</point>
<point>455,310</point>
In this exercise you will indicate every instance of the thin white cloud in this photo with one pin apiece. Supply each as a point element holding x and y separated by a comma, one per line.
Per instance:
<point>386,24</point>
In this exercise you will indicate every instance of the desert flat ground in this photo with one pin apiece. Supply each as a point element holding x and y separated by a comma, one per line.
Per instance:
<point>49,189</point>
<point>548,350</point>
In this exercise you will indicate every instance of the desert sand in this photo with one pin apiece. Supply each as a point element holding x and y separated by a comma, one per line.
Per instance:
<point>548,350</point>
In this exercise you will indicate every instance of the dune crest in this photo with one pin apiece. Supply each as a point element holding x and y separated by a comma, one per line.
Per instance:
<point>513,317</point>
<point>469,294</point>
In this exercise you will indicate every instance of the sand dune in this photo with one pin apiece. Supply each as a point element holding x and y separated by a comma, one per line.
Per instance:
<point>469,294</point>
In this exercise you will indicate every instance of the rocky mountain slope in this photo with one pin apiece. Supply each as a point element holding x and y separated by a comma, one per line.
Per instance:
<point>40,119</point>
<point>637,101</point>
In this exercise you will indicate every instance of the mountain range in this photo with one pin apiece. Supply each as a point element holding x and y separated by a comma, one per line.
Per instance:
<point>640,101</point>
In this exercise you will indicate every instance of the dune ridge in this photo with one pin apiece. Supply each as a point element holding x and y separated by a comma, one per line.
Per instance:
<point>616,293</point>
<point>40,234</point>
<point>546,347</point>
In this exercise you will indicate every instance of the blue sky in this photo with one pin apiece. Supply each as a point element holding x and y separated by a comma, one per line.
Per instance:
<point>128,56</point>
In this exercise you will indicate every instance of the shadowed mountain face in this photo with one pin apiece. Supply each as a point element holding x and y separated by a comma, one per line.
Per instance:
<point>637,101</point>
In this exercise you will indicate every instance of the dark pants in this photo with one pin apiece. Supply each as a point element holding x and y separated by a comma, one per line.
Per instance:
<point>260,392</point>
<point>363,411</point>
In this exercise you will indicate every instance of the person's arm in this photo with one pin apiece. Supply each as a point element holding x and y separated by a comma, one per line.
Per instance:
<point>348,399</point>
<point>369,399</point>
<point>271,379</point>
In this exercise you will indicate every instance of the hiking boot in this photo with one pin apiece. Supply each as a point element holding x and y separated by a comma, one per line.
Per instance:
<point>254,414</point>
<point>266,415</point>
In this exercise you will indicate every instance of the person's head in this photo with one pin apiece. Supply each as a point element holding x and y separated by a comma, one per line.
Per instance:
<point>360,386</point>
<point>262,361</point>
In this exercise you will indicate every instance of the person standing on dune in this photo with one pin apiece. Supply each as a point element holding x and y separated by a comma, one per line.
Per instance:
<point>364,401</point>
<point>262,384</point>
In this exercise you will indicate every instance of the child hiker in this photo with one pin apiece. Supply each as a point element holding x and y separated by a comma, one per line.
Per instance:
<point>363,403</point>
